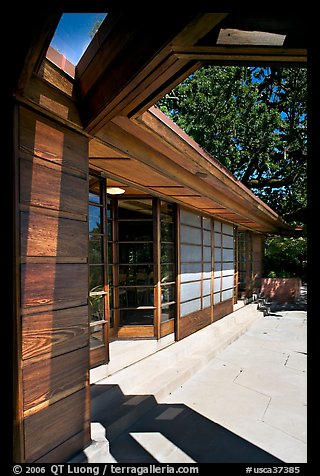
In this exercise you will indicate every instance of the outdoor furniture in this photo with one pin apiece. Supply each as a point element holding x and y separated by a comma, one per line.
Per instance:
<point>264,304</point>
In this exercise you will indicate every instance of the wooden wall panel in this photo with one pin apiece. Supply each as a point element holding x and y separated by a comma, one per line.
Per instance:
<point>44,138</point>
<point>166,328</point>
<point>43,235</point>
<point>56,285</point>
<point>53,212</point>
<point>194,322</point>
<point>257,260</point>
<point>55,332</point>
<point>51,379</point>
<point>54,425</point>
<point>222,309</point>
<point>41,187</point>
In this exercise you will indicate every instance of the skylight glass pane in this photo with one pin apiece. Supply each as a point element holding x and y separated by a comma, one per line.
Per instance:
<point>74,33</point>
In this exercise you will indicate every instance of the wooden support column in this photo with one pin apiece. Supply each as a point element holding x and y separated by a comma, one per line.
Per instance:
<point>53,418</point>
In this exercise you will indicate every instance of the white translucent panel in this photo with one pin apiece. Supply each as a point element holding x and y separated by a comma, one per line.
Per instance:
<point>227,255</point>
<point>217,284</point>
<point>206,287</point>
<point>188,218</point>
<point>191,271</point>
<point>217,254</point>
<point>191,306</point>
<point>190,277</point>
<point>207,237</point>
<point>206,223</point>
<point>190,253</point>
<point>218,267</point>
<point>227,282</point>
<point>206,275</point>
<point>206,301</point>
<point>217,240</point>
<point>207,254</point>
<point>216,298</point>
<point>228,272</point>
<point>217,274</point>
<point>190,235</point>
<point>227,268</point>
<point>227,294</point>
<point>217,225</point>
<point>190,291</point>
<point>227,241</point>
<point>226,228</point>
<point>207,267</point>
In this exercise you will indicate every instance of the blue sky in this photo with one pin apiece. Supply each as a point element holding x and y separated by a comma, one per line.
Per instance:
<point>72,35</point>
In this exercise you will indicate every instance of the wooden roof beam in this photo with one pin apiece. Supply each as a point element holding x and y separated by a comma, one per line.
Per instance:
<point>242,54</point>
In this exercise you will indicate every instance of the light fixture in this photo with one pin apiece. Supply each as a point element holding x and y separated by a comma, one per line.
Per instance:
<point>115,190</point>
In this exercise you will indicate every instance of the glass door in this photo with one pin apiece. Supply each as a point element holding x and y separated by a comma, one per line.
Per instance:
<point>98,282</point>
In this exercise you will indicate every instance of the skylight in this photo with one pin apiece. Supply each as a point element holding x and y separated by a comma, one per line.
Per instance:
<point>74,33</point>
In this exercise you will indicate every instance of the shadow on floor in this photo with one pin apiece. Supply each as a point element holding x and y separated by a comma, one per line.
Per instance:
<point>171,425</point>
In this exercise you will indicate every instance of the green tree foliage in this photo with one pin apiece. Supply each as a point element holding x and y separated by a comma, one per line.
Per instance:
<point>254,121</point>
<point>285,257</point>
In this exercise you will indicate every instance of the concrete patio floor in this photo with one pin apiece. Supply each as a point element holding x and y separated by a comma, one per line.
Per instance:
<point>245,402</point>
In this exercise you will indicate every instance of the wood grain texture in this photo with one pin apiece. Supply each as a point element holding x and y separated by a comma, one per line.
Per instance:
<point>51,73</point>
<point>194,322</point>
<point>55,332</point>
<point>50,98</point>
<point>52,379</point>
<point>58,285</point>
<point>56,424</point>
<point>52,187</point>
<point>43,235</point>
<point>44,138</point>
<point>135,331</point>
<point>222,309</point>
<point>167,328</point>
<point>66,450</point>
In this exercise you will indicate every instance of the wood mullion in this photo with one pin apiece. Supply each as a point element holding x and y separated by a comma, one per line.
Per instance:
<point>115,267</point>
<point>105,271</point>
<point>178,273</point>
<point>212,271</point>
<point>157,266</point>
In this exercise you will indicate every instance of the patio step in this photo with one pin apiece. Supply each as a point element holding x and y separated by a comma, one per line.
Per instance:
<point>122,398</point>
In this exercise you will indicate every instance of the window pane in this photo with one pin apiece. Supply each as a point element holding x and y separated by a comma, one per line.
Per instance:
<point>96,308</point>
<point>109,230</point>
<point>167,273</point>
<point>135,231</point>
<point>168,311</point>
<point>96,280</point>
<point>136,317</point>
<point>96,337</point>
<point>95,219</point>
<point>191,271</point>
<point>110,274</point>
<point>94,189</point>
<point>135,253</point>
<point>135,209</point>
<point>167,231</point>
<point>167,253</point>
<point>166,211</point>
<point>168,293</point>
<point>135,297</point>
<point>191,253</point>
<point>131,275</point>
<point>110,258</point>
<point>95,250</point>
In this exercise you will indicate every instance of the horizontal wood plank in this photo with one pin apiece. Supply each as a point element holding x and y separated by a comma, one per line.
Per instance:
<point>58,285</point>
<point>55,332</point>
<point>222,309</point>
<point>43,235</point>
<point>49,380</point>
<point>194,322</point>
<point>56,424</point>
<point>66,450</point>
<point>166,328</point>
<point>135,331</point>
<point>41,137</point>
<point>50,98</point>
<point>51,73</point>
